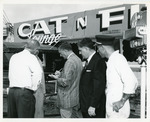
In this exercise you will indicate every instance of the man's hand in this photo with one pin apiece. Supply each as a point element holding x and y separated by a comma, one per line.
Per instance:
<point>55,75</point>
<point>91,111</point>
<point>118,105</point>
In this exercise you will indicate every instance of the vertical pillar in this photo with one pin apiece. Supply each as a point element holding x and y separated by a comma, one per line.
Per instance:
<point>143,90</point>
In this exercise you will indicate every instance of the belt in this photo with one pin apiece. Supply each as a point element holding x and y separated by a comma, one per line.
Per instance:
<point>22,88</point>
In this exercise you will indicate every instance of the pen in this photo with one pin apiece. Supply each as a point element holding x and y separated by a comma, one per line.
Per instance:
<point>60,70</point>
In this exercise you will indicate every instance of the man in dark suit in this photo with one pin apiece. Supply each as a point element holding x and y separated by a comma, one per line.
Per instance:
<point>92,82</point>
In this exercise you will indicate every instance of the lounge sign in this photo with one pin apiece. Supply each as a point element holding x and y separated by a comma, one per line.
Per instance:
<point>112,20</point>
<point>46,36</point>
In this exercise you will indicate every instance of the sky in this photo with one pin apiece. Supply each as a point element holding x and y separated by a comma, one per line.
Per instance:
<point>24,12</point>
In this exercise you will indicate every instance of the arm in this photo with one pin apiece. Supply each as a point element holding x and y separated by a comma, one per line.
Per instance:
<point>129,82</point>
<point>99,82</point>
<point>119,104</point>
<point>66,77</point>
<point>99,79</point>
<point>36,72</point>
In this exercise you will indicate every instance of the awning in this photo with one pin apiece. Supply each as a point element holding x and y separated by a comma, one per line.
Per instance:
<point>17,46</point>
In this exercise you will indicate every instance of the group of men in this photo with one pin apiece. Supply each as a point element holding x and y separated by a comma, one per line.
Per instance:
<point>95,90</point>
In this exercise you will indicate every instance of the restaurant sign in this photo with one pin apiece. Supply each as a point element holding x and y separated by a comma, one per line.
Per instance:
<point>48,31</point>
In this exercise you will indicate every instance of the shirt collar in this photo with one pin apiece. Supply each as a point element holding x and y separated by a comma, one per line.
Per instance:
<point>70,55</point>
<point>26,51</point>
<point>115,52</point>
<point>90,56</point>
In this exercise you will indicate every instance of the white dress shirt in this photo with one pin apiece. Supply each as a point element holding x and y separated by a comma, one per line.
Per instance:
<point>24,70</point>
<point>89,58</point>
<point>120,79</point>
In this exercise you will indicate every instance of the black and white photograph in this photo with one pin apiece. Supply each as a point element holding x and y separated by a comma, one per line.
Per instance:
<point>75,60</point>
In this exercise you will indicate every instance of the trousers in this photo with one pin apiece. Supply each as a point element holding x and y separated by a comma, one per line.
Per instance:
<point>72,112</point>
<point>21,103</point>
<point>39,105</point>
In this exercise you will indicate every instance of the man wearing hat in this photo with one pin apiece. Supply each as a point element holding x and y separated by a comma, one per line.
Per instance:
<point>121,81</point>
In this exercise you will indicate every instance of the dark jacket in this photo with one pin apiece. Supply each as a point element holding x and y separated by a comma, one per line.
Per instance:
<point>93,84</point>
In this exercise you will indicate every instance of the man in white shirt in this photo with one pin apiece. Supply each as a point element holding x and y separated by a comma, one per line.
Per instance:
<point>121,81</point>
<point>25,75</point>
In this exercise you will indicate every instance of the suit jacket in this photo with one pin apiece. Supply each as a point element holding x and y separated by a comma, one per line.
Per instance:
<point>39,96</point>
<point>92,84</point>
<point>68,83</point>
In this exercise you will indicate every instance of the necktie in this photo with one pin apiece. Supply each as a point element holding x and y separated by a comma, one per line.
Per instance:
<point>86,63</point>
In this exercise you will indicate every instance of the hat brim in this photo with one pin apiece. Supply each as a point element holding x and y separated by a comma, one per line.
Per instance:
<point>98,43</point>
<point>104,40</point>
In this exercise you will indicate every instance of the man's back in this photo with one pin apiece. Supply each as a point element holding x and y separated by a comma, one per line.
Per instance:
<point>21,68</point>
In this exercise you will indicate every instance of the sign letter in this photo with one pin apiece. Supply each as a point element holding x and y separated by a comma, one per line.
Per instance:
<point>82,22</point>
<point>58,23</point>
